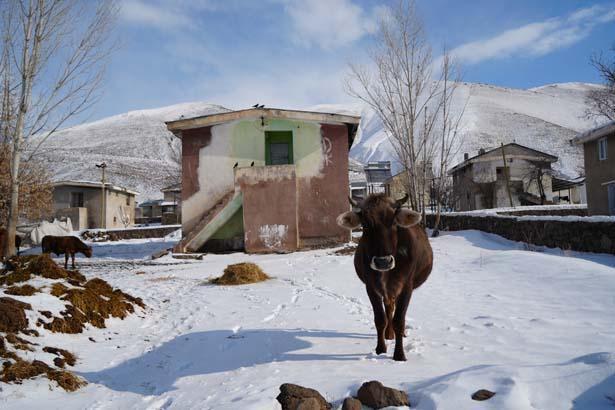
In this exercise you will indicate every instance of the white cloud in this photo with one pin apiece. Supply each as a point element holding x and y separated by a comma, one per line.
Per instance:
<point>328,23</point>
<point>153,14</point>
<point>536,39</point>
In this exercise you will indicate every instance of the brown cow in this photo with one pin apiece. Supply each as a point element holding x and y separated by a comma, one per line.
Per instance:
<point>67,245</point>
<point>393,258</point>
<point>3,236</point>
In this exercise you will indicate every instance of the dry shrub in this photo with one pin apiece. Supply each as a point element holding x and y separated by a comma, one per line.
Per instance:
<point>69,358</point>
<point>5,353</point>
<point>241,274</point>
<point>25,290</point>
<point>66,380</point>
<point>19,343</point>
<point>20,370</point>
<point>92,303</point>
<point>21,269</point>
<point>12,315</point>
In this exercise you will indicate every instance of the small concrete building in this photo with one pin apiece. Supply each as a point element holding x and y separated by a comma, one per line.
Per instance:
<point>264,179</point>
<point>599,153</point>
<point>171,204</point>
<point>83,203</point>
<point>480,182</point>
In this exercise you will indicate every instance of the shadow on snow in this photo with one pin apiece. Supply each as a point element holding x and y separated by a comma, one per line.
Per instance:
<point>215,351</point>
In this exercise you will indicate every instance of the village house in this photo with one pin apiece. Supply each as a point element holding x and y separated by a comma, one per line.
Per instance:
<point>264,179</point>
<point>149,211</point>
<point>397,185</point>
<point>88,208</point>
<point>599,153</point>
<point>486,181</point>
<point>171,204</point>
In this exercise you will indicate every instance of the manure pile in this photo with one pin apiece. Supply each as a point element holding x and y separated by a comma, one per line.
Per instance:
<point>85,302</point>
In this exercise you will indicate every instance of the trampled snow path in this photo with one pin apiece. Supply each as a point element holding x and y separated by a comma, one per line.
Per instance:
<point>537,328</point>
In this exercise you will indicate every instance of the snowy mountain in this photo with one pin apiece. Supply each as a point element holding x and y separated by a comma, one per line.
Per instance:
<point>544,118</point>
<point>140,152</point>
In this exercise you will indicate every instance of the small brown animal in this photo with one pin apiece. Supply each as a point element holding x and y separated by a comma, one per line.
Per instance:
<point>67,245</point>
<point>3,236</point>
<point>393,258</point>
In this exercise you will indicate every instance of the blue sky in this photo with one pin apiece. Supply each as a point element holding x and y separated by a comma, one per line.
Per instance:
<point>294,53</point>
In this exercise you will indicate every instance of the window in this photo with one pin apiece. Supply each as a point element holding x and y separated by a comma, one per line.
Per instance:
<point>602,149</point>
<point>76,199</point>
<point>278,147</point>
<point>127,200</point>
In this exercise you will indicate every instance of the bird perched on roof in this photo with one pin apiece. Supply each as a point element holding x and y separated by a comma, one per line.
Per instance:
<point>255,105</point>
<point>235,166</point>
<point>261,106</point>
<point>252,164</point>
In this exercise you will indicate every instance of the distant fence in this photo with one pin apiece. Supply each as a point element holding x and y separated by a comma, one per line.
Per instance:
<point>590,234</point>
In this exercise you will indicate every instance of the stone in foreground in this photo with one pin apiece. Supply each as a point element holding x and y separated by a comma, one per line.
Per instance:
<point>373,394</point>
<point>482,395</point>
<point>295,397</point>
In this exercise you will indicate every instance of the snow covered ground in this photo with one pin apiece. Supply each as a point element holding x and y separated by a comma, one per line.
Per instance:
<point>535,327</point>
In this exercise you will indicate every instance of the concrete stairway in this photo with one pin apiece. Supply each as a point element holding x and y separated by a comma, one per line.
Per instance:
<point>211,221</point>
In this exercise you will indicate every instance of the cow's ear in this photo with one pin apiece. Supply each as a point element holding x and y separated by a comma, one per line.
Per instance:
<point>407,218</point>
<point>349,220</point>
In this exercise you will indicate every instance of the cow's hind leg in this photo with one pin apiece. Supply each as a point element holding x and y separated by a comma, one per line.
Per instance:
<point>72,255</point>
<point>66,260</point>
<point>389,306</point>
<point>399,323</point>
<point>379,320</point>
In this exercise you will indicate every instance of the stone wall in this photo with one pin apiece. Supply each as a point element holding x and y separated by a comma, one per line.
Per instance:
<point>133,233</point>
<point>549,212</point>
<point>568,235</point>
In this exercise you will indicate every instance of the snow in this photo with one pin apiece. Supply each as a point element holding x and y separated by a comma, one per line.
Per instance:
<point>137,147</point>
<point>544,118</point>
<point>535,327</point>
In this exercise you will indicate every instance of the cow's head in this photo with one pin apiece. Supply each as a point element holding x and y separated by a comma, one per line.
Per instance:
<point>87,251</point>
<point>380,216</point>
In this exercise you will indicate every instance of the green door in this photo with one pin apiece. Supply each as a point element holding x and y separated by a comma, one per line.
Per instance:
<point>278,147</point>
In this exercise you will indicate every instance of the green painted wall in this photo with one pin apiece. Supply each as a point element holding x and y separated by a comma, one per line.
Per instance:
<point>233,228</point>
<point>248,144</point>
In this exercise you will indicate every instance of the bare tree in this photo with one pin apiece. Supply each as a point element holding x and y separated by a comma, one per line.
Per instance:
<point>601,101</point>
<point>411,92</point>
<point>450,137</point>
<point>400,89</point>
<point>55,53</point>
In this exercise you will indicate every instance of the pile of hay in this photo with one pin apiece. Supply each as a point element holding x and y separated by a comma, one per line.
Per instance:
<point>86,302</point>
<point>241,274</point>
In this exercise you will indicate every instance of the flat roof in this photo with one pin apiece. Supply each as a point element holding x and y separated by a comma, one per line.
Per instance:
<point>595,133</point>
<point>219,118</point>
<point>89,184</point>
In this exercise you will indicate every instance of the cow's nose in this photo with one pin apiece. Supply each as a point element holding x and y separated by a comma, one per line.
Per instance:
<point>383,263</point>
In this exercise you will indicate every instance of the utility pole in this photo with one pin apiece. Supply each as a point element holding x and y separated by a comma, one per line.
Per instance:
<point>103,212</point>
<point>507,176</point>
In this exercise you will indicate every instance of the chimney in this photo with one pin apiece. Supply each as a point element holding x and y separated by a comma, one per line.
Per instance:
<point>466,156</point>
<point>481,151</point>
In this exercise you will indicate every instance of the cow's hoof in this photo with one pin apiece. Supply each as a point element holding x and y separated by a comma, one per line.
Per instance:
<point>399,357</point>
<point>381,349</point>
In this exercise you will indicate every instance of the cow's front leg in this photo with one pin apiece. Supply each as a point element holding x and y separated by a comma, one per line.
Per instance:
<point>399,323</point>
<point>389,306</point>
<point>66,260</point>
<point>379,319</point>
<point>72,255</point>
